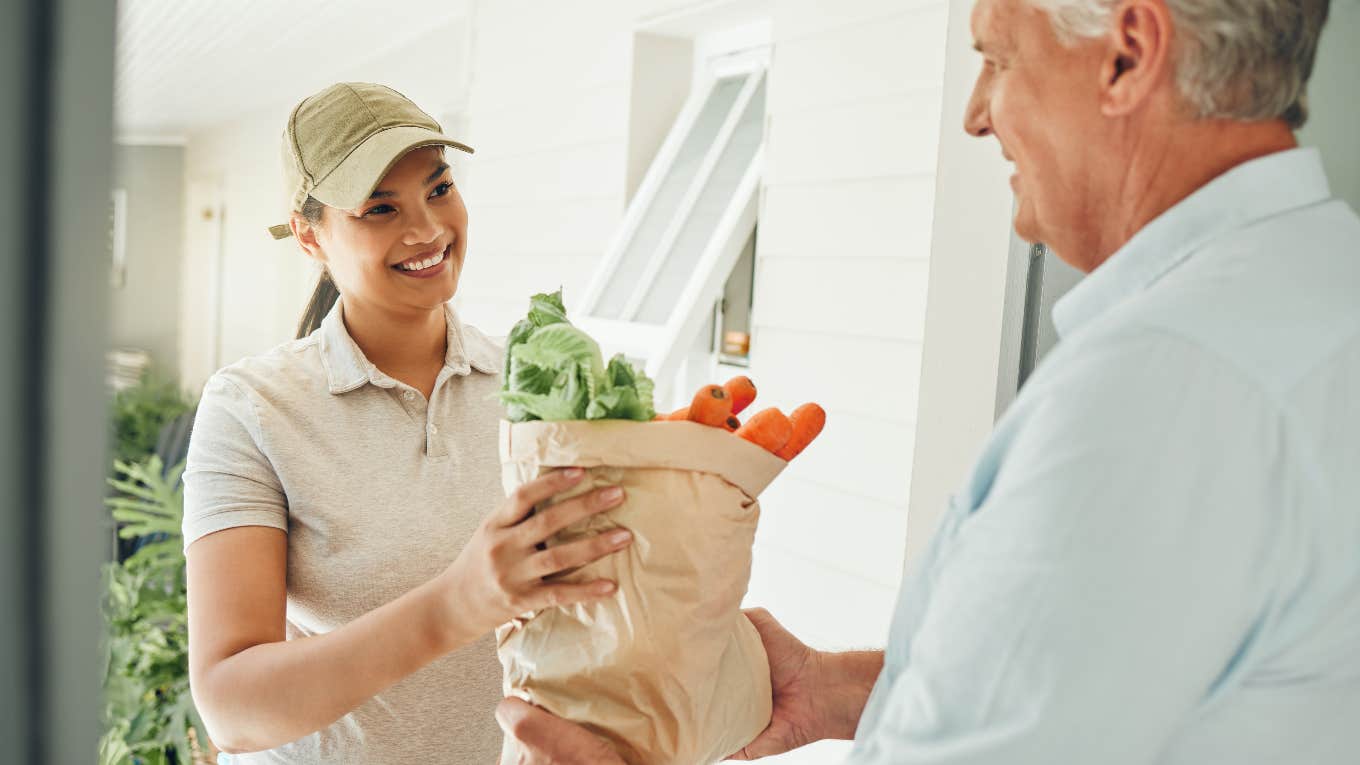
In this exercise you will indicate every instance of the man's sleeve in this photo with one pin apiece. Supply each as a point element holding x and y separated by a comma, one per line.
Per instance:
<point>1110,579</point>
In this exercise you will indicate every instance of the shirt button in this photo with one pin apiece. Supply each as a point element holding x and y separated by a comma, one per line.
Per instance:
<point>433,430</point>
<point>409,396</point>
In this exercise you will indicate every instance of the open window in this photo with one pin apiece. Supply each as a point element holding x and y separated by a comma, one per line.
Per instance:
<point>690,224</point>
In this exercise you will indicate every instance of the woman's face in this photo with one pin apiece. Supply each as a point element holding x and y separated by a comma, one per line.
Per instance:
<point>403,249</point>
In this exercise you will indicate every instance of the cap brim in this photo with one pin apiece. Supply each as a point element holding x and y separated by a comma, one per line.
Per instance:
<point>353,180</point>
<point>350,184</point>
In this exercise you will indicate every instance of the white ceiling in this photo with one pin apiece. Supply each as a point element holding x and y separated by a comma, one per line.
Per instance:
<point>183,65</point>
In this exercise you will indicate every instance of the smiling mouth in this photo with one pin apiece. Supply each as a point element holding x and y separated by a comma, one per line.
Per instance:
<point>416,265</point>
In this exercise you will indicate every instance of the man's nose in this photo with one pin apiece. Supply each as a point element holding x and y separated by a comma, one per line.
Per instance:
<point>977,118</point>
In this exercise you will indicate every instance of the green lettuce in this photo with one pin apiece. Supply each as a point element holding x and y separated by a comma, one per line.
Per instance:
<point>555,371</point>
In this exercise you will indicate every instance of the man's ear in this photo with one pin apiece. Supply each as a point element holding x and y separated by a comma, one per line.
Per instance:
<point>1138,57</point>
<point>306,235</point>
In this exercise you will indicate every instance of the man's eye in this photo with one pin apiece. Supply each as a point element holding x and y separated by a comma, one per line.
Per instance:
<point>378,210</point>
<point>442,189</point>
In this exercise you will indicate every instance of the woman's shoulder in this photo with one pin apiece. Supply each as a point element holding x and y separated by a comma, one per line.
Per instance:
<point>286,369</point>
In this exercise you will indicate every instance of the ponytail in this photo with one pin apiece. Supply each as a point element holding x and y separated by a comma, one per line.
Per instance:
<point>326,293</point>
<point>323,299</point>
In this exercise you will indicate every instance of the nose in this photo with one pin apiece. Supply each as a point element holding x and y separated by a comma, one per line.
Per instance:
<point>424,226</point>
<point>977,118</point>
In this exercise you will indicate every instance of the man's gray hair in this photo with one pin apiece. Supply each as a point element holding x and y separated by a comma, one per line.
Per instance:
<point>1246,60</point>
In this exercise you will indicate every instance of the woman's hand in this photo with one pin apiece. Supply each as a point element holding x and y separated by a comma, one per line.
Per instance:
<point>500,573</point>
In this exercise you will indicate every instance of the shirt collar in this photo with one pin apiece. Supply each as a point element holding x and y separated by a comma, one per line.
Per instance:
<point>348,369</point>
<point>1252,191</point>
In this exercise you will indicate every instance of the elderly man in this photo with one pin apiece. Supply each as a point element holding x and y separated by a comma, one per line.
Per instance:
<point>1156,559</point>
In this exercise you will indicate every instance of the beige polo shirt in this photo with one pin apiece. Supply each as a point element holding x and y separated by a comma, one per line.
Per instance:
<point>378,491</point>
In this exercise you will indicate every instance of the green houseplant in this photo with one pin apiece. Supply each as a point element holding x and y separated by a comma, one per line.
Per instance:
<point>139,413</point>
<point>149,715</point>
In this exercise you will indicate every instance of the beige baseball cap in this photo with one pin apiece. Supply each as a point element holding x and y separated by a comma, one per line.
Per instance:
<point>340,143</point>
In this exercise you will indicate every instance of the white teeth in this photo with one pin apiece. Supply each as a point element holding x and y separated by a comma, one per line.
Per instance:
<point>421,265</point>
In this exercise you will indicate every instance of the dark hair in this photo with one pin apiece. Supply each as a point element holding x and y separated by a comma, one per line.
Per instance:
<point>324,296</point>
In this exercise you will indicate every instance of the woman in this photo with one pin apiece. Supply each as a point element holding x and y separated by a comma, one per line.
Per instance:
<point>344,574</point>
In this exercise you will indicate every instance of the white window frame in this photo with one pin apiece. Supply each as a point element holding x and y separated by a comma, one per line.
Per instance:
<point>664,347</point>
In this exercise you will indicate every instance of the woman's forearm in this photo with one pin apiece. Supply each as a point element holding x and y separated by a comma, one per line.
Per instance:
<point>274,693</point>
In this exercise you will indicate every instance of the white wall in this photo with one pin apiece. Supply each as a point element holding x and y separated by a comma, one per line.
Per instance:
<point>972,229</point>
<point>261,284</point>
<point>548,115</point>
<point>839,310</point>
<point>144,311</point>
<point>1333,105</point>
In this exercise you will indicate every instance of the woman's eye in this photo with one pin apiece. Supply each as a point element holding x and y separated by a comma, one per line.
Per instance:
<point>378,210</point>
<point>442,189</point>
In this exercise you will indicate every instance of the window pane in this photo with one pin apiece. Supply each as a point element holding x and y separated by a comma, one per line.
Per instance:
<point>662,210</point>
<point>713,202</point>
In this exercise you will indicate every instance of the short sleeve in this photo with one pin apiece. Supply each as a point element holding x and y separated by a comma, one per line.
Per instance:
<point>228,480</point>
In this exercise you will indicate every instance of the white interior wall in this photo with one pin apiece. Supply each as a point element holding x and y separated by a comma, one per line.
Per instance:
<point>548,114</point>
<point>966,296</point>
<point>145,308</point>
<point>1334,109</point>
<point>839,309</point>
<point>262,284</point>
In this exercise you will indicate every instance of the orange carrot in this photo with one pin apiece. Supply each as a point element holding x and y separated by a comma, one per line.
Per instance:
<point>768,429</point>
<point>732,424</point>
<point>710,406</point>
<point>679,415</point>
<point>808,421</point>
<point>742,391</point>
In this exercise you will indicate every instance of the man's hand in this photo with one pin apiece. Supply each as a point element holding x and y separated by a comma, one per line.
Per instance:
<point>536,737</point>
<point>795,672</point>
<point>816,695</point>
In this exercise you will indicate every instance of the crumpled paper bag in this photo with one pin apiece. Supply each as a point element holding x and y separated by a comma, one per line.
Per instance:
<point>667,670</point>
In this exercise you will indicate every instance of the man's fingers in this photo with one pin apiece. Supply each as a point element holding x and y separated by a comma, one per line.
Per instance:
<point>546,738</point>
<point>561,515</point>
<point>515,716</point>
<point>522,500</point>
<point>578,553</point>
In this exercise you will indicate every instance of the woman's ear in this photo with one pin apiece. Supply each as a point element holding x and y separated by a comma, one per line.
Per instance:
<point>305,232</point>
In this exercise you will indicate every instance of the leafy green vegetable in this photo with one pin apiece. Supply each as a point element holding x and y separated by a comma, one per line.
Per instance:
<point>555,371</point>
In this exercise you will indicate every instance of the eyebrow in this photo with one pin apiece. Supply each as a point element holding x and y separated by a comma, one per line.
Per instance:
<point>438,171</point>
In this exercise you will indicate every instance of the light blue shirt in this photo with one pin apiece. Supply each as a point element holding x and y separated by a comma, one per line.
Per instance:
<point>1156,559</point>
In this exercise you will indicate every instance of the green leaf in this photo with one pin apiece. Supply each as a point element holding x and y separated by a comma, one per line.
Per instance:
<point>544,309</point>
<point>555,371</point>
<point>147,708</point>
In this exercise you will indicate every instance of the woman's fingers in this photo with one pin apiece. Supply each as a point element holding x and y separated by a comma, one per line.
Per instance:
<point>521,502</point>
<point>566,594</point>
<point>563,514</point>
<point>578,553</point>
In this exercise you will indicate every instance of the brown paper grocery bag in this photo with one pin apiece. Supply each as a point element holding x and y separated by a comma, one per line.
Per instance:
<point>668,670</point>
